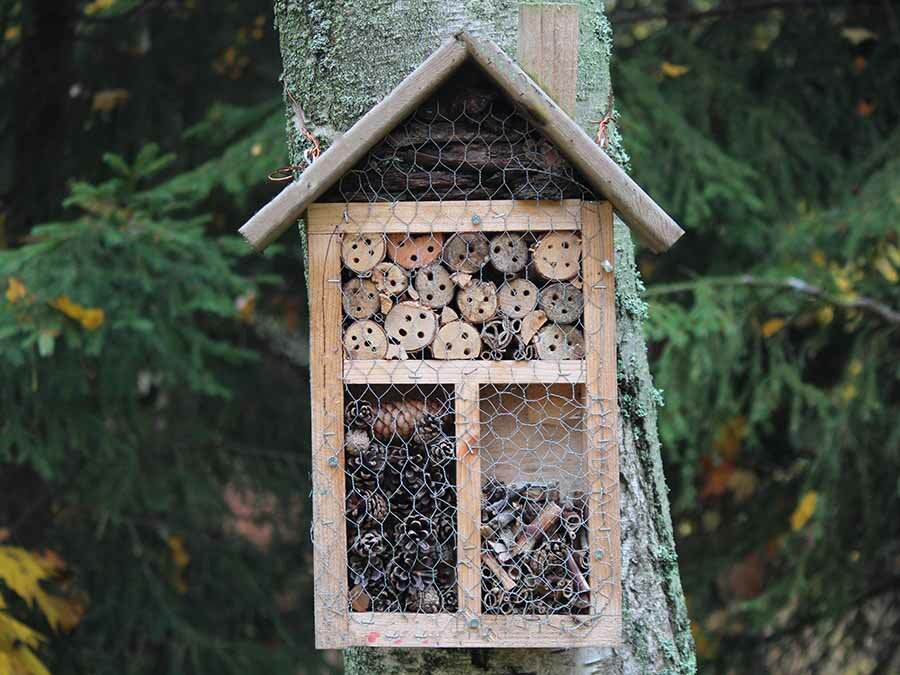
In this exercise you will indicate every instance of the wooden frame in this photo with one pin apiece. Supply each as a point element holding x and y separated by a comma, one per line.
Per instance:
<point>336,626</point>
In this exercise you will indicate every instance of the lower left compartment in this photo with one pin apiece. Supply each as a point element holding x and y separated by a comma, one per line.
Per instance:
<point>400,463</point>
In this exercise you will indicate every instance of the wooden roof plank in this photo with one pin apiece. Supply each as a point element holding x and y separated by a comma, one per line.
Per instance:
<point>653,226</point>
<point>278,215</point>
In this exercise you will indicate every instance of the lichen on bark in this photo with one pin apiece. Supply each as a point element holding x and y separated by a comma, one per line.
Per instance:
<point>340,58</point>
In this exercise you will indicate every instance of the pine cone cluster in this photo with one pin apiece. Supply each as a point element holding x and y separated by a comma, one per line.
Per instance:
<point>534,550</point>
<point>400,507</point>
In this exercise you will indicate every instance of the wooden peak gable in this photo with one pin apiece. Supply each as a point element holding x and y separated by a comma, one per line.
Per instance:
<point>647,220</point>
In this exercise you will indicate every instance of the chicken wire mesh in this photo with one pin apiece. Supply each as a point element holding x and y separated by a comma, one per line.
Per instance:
<point>469,490</point>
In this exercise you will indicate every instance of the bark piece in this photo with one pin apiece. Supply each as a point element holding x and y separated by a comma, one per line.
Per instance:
<point>361,252</point>
<point>546,520</point>
<point>558,343</point>
<point>413,252</point>
<point>467,252</point>
<point>386,303</point>
<point>502,575</point>
<point>531,324</point>
<point>556,256</point>
<point>478,302</point>
<point>517,297</point>
<point>411,325</point>
<point>448,314</point>
<point>360,298</point>
<point>457,340</point>
<point>509,253</point>
<point>497,335</point>
<point>461,279</point>
<point>434,285</point>
<point>563,303</point>
<point>365,340</point>
<point>390,278</point>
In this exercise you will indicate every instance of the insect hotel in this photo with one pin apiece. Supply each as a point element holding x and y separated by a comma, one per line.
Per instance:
<point>463,361</point>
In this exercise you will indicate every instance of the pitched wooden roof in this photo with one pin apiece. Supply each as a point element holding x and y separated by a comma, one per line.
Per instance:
<point>647,220</point>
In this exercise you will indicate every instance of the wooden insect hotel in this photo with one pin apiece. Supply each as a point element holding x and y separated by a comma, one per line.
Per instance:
<point>463,361</point>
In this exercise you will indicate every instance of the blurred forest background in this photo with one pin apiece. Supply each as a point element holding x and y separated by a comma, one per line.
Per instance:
<point>154,475</point>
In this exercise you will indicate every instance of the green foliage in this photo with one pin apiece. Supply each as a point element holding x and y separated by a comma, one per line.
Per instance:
<point>774,323</point>
<point>122,346</point>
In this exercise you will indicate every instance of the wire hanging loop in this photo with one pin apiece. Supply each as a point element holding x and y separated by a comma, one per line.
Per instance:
<point>310,155</point>
<point>602,137</point>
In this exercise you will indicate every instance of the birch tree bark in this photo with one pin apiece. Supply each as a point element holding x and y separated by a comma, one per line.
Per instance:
<point>340,58</point>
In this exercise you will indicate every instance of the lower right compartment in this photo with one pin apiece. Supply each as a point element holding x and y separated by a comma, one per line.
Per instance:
<point>534,500</point>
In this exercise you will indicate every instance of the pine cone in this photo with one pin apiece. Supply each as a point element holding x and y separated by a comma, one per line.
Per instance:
<point>374,457</point>
<point>398,577</point>
<point>355,442</point>
<point>370,544</point>
<point>426,601</point>
<point>359,415</point>
<point>397,456</point>
<point>441,450</point>
<point>413,530</point>
<point>403,419</point>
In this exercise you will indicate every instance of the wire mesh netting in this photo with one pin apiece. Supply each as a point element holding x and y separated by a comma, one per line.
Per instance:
<point>477,477</point>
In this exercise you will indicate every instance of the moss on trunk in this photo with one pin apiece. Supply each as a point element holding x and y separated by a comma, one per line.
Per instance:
<point>340,58</point>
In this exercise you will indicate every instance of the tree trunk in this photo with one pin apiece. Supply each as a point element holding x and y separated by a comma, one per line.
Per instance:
<point>340,58</point>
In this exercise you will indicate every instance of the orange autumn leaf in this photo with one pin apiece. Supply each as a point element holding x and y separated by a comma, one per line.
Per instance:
<point>716,478</point>
<point>865,108</point>
<point>15,290</point>
<point>772,326</point>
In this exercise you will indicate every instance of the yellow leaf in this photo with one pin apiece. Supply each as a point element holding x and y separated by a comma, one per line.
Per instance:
<point>98,6</point>
<point>13,631</point>
<point>672,70</point>
<point>256,150</point>
<point>109,99</point>
<point>858,35</point>
<point>855,367</point>
<point>893,253</point>
<point>887,270</point>
<point>849,392</point>
<point>12,32</point>
<point>825,315</point>
<point>178,551</point>
<point>729,437</point>
<point>818,257</point>
<point>806,507</point>
<point>772,326</point>
<point>23,573</point>
<point>89,318</point>
<point>16,290</point>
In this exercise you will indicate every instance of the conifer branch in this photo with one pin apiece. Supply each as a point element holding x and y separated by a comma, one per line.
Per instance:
<point>862,303</point>
<point>730,11</point>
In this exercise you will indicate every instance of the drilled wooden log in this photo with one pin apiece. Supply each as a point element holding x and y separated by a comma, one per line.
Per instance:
<point>509,253</point>
<point>360,298</point>
<point>390,278</point>
<point>411,325</point>
<point>365,340</point>
<point>558,343</point>
<point>413,252</point>
<point>457,340</point>
<point>478,302</point>
<point>563,303</point>
<point>556,256</point>
<point>434,285</point>
<point>361,252</point>
<point>467,252</point>
<point>517,297</point>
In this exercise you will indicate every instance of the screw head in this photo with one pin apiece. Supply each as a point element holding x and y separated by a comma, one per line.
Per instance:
<point>332,461</point>
<point>476,219</point>
<point>598,555</point>
<point>607,266</point>
<point>474,622</point>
